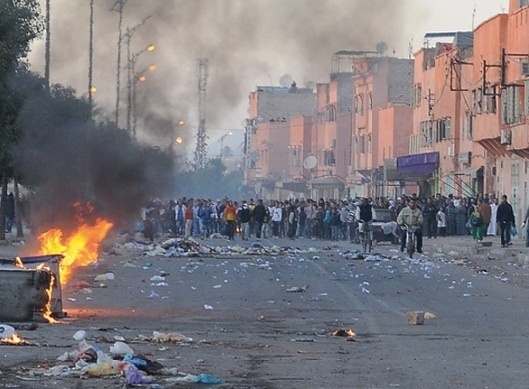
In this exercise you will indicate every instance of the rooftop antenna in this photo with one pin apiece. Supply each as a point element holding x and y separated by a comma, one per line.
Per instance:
<point>474,16</point>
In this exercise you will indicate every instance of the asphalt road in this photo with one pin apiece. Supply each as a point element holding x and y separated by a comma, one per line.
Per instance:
<point>248,330</point>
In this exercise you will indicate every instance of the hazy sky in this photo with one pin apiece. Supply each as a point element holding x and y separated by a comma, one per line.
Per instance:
<point>248,43</point>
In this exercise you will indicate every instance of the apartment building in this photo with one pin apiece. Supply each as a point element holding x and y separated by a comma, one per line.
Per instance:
<point>276,143</point>
<point>382,118</point>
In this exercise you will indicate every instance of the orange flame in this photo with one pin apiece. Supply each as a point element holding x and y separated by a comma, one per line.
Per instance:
<point>15,339</point>
<point>79,249</point>
<point>47,309</point>
<point>19,263</point>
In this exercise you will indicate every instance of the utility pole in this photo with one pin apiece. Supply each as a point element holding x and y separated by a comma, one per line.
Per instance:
<point>48,44</point>
<point>118,7</point>
<point>201,148</point>
<point>91,56</point>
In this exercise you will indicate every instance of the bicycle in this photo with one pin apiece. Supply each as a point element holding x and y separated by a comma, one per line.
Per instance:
<point>410,239</point>
<point>365,232</point>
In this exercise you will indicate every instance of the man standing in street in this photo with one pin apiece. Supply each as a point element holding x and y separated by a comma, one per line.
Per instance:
<point>429,213</point>
<point>486,214</point>
<point>259,215</point>
<point>505,216</point>
<point>411,216</point>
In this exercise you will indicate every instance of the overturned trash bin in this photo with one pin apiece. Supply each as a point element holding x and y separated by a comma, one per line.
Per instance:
<point>24,288</point>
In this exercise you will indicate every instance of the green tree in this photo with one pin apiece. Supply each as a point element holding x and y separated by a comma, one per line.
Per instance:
<point>20,23</point>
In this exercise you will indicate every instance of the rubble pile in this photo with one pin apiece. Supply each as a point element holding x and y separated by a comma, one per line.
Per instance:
<point>189,247</point>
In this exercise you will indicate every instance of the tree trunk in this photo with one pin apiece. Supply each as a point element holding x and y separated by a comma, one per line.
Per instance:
<point>18,210</point>
<point>3,206</point>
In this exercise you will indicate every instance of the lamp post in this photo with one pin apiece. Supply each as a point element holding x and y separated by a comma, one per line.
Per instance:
<point>118,7</point>
<point>130,59</point>
<point>221,140</point>
<point>137,77</point>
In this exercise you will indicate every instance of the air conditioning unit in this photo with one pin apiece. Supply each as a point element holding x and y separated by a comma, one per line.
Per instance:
<point>505,137</point>
<point>524,68</point>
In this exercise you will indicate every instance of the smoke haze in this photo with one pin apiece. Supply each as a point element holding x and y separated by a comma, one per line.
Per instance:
<point>248,43</point>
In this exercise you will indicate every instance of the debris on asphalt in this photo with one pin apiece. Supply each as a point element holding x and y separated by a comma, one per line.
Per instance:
<point>121,348</point>
<point>347,333</point>
<point>298,289</point>
<point>169,337</point>
<point>415,317</point>
<point>105,277</point>
<point>90,361</point>
<point>79,335</point>
<point>429,316</point>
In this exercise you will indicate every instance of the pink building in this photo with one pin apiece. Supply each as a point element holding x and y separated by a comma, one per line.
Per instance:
<point>275,143</point>
<point>382,118</point>
<point>443,116</point>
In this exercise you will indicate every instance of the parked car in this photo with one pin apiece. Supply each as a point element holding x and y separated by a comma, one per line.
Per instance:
<point>383,216</point>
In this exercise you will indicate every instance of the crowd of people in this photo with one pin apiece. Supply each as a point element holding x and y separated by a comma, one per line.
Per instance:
<point>328,219</point>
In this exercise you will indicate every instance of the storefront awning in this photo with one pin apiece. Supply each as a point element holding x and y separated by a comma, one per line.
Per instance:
<point>472,171</point>
<point>418,165</point>
<point>327,181</point>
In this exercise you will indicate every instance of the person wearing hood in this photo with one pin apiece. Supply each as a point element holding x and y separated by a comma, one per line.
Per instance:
<point>244,216</point>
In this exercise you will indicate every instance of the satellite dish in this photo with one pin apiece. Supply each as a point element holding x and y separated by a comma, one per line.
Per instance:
<point>310,162</point>
<point>286,80</point>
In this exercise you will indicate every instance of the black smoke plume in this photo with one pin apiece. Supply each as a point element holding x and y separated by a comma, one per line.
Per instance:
<point>67,158</point>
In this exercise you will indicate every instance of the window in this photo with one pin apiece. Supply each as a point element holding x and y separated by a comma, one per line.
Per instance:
<point>328,158</point>
<point>362,144</point>
<point>511,105</point>
<point>359,104</point>
<point>467,126</point>
<point>417,96</point>
<point>491,99</point>
<point>477,98</point>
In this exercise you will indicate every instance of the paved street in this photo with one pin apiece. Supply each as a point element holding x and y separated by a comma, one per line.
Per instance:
<point>248,330</point>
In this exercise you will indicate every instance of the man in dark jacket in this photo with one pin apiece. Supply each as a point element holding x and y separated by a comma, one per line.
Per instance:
<point>259,215</point>
<point>505,217</point>
<point>429,213</point>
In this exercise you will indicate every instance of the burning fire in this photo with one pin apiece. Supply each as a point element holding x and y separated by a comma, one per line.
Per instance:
<point>80,248</point>
<point>47,309</point>
<point>341,332</point>
<point>15,339</point>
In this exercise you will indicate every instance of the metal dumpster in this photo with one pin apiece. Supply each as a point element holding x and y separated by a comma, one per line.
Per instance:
<point>23,291</point>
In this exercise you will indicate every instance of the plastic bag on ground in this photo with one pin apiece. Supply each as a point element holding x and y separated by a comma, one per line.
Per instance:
<point>121,348</point>
<point>134,376</point>
<point>6,331</point>
<point>104,369</point>
<point>204,378</point>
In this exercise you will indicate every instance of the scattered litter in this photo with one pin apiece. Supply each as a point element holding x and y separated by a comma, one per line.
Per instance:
<point>207,306</point>
<point>207,379</point>
<point>105,277</point>
<point>121,348</point>
<point>157,278</point>
<point>429,316</point>
<point>298,289</point>
<point>308,340</point>
<point>169,337</point>
<point>6,331</point>
<point>415,317</point>
<point>79,335</point>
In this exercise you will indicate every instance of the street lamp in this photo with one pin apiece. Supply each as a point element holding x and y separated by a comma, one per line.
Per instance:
<point>137,77</point>
<point>130,59</point>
